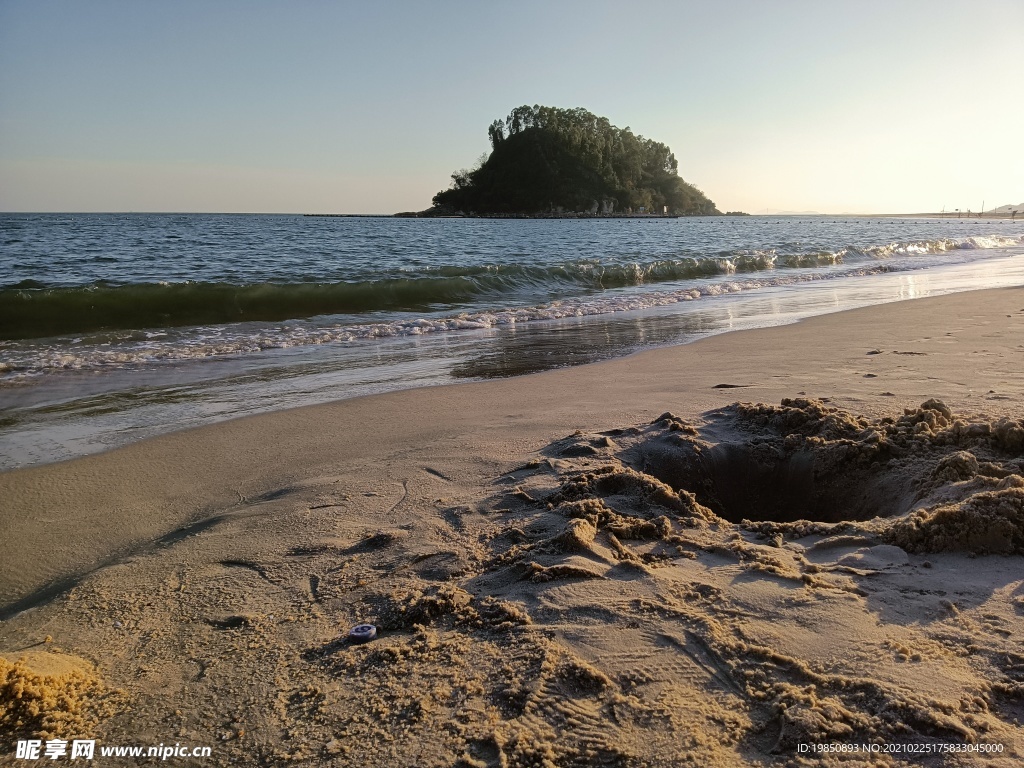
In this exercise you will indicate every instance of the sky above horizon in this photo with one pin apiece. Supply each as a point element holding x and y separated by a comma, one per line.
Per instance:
<point>318,107</point>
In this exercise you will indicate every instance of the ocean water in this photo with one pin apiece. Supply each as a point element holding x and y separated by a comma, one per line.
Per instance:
<point>119,327</point>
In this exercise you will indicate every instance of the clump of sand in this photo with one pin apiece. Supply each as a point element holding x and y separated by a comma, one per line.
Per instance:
<point>801,416</point>
<point>1009,435</point>
<point>984,523</point>
<point>646,491</point>
<point>47,695</point>
<point>424,605</point>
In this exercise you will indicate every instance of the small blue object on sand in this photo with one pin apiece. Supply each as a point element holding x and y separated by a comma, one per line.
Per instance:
<point>362,633</point>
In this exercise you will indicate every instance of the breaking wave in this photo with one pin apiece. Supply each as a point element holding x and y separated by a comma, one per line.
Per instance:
<point>106,349</point>
<point>30,309</point>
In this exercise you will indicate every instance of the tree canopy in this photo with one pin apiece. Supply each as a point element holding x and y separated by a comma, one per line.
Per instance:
<point>547,159</point>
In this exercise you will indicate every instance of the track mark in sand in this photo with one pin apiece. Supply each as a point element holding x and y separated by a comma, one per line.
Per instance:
<point>701,654</point>
<point>239,621</point>
<point>437,473</point>
<point>274,495</point>
<point>522,495</point>
<point>568,698</point>
<point>314,587</point>
<point>661,658</point>
<point>405,495</point>
<point>486,750</point>
<point>203,667</point>
<point>653,660</point>
<point>424,556</point>
<point>311,550</point>
<point>255,568</point>
<point>379,540</point>
<point>995,624</point>
<point>453,516</point>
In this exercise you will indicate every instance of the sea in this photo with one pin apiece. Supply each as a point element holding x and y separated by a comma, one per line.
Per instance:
<point>119,327</point>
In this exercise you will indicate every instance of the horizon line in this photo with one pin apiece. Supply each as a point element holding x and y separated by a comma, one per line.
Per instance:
<point>941,214</point>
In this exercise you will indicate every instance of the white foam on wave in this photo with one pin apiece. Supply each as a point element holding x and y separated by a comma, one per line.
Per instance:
<point>939,245</point>
<point>20,362</point>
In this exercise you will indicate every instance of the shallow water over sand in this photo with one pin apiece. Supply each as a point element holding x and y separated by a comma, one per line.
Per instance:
<point>67,396</point>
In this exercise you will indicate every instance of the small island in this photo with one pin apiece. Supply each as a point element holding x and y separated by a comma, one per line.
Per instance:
<point>551,162</point>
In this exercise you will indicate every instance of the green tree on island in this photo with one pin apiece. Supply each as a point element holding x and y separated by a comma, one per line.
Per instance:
<point>546,159</point>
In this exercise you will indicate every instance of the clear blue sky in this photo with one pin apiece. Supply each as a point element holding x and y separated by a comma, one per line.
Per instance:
<point>864,106</point>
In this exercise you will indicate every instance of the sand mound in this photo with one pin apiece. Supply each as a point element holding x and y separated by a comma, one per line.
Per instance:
<point>50,695</point>
<point>985,523</point>
<point>644,491</point>
<point>446,604</point>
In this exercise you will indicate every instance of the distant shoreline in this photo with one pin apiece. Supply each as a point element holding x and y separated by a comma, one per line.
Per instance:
<point>948,215</point>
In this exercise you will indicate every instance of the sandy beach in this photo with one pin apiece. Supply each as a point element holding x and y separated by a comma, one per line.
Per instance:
<point>733,552</point>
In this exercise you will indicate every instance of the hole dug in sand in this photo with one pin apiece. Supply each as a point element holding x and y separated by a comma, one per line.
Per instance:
<point>760,481</point>
<point>946,483</point>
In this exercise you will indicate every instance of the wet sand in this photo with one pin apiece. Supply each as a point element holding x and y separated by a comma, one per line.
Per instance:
<point>615,564</point>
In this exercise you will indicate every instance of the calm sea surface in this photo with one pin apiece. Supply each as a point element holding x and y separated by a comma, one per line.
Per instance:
<point>119,327</point>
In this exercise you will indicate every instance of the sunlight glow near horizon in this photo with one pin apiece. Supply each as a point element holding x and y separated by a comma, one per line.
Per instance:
<point>340,107</point>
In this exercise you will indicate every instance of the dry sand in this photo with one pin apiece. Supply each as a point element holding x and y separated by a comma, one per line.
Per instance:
<point>616,564</point>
